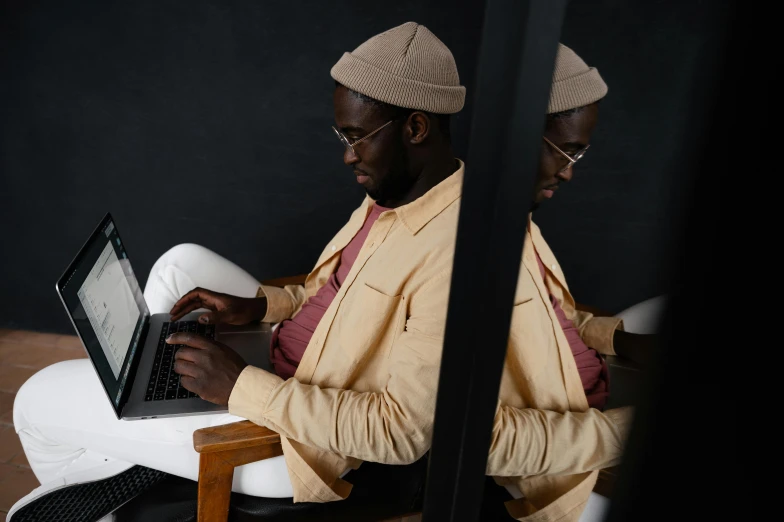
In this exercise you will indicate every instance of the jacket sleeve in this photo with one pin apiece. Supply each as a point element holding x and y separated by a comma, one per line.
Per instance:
<point>529,442</point>
<point>392,426</point>
<point>282,303</point>
<point>597,332</point>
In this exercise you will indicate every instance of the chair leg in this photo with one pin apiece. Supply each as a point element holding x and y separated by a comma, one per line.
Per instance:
<point>215,477</point>
<point>216,473</point>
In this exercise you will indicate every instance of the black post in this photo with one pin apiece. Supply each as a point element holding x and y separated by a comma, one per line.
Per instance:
<point>519,43</point>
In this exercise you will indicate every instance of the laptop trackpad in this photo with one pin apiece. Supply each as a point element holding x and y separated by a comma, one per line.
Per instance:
<point>252,342</point>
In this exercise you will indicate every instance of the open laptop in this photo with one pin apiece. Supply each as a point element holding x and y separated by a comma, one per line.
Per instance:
<point>127,345</point>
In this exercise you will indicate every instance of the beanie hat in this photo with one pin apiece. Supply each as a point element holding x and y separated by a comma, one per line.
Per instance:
<point>406,66</point>
<point>574,83</point>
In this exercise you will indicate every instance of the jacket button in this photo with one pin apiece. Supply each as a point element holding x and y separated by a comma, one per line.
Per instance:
<point>333,248</point>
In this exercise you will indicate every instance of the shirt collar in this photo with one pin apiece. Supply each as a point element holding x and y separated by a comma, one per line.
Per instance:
<point>419,212</point>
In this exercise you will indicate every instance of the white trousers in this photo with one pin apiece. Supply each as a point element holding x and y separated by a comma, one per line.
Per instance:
<point>70,433</point>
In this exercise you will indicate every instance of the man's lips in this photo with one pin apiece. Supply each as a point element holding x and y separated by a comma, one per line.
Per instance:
<point>361,177</point>
<point>549,191</point>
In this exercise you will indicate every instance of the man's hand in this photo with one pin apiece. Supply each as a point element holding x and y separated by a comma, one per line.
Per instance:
<point>224,308</point>
<point>207,368</point>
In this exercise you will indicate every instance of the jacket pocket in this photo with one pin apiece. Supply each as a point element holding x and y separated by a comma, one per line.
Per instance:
<point>531,339</point>
<point>371,322</point>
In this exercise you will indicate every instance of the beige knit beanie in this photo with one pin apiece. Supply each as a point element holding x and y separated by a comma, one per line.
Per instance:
<point>405,66</point>
<point>574,83</point>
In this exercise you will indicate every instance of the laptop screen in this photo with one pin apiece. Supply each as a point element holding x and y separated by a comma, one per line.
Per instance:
<point>106,305</point>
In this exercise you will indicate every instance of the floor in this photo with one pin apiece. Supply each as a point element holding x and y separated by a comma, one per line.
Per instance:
<point>21,355</point>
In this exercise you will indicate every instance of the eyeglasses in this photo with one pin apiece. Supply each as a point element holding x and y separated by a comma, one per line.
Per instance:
<point>349,143</point>
<point>572,159</point>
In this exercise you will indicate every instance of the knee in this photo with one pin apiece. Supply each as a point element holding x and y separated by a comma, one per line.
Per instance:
<point>181,252</point>
<point>176,255</point>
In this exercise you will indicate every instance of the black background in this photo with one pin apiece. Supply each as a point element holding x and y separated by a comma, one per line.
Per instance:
<point>208,122</point>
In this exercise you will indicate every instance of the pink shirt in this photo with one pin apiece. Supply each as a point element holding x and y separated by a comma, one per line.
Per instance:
<point>293,335</point>
<point>590,365</point>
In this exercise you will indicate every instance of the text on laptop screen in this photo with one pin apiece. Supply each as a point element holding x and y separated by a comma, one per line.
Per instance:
<point>108,300</point>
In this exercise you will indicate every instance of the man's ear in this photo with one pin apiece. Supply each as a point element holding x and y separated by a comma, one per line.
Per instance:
<point>418,127</point>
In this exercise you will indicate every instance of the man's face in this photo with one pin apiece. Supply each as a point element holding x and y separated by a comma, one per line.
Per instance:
<point>380,163</point>
<point>570,134</point>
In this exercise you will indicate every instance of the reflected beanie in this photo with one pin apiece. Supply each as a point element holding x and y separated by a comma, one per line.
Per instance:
<point>574,83</point>
<point>405,66</point>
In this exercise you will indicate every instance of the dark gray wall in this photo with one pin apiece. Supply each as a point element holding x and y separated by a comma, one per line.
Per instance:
<point>208,122</point>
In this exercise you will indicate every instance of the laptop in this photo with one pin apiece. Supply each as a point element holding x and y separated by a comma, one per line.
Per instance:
<point>126,344</point>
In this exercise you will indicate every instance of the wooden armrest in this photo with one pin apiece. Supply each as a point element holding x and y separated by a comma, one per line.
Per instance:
<point>221,449</point>
<point>237,435</point>
<point>280,282</point>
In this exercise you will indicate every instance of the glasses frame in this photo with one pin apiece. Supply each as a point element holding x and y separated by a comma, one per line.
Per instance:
<point>572,159</point>
<point>346,141</point>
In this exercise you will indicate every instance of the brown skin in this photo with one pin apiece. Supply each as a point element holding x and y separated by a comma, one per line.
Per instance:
<point>207,368</point>
<point>224,308</point>
<point>403,161</point>
<point>572,133</point>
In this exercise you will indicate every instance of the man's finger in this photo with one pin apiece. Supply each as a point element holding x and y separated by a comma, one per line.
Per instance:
<point>191,339</point>
<point>187,368</point>
<point>210,318</point>
<point>193,295</point>
<point>189,383</point>
<point>199,296</point>
<point>182,312</point>
<point>192,355</point>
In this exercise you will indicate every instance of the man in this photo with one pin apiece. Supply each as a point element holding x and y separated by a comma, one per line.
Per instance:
<point>357,352</point>
<point>370,314</point>
<point>550,435</point>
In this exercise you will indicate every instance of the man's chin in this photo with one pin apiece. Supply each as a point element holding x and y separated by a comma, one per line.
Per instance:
<point>537,201</point>
<point>372,194</point>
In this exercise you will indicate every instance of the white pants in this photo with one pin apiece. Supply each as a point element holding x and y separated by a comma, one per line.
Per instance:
<point>68,428</point>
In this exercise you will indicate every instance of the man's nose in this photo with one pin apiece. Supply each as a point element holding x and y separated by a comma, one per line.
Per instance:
<point>350,157</point>
<point>566,175</point>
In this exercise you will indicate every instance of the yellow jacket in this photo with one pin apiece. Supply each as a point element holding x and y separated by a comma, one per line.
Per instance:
<point>365,389</point>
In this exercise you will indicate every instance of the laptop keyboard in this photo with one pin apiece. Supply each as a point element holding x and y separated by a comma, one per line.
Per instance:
<point>164,383</point>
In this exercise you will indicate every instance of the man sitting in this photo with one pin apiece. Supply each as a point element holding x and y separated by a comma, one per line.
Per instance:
<point>357,352</point>
<point>550,435</point>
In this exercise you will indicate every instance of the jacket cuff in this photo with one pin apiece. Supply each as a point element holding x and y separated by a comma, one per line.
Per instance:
<point>622,418</point>
<point>599,333</point>
<point>278,303</point>
<point>251,393</point>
